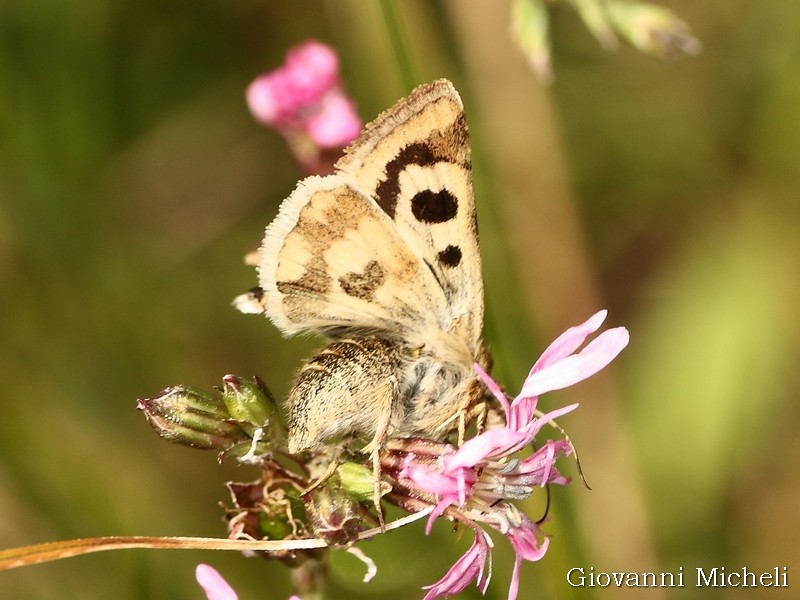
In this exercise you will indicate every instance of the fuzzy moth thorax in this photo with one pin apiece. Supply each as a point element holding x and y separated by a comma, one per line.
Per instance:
<point>375,387</point>
<point>351,386</point>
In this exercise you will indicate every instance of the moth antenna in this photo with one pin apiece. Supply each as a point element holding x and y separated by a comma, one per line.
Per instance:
<point>376,489</point>
<point>546,506</point>
<point>553,423</point>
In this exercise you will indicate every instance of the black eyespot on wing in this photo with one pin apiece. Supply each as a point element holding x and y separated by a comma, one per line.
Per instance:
<point>450,256</point>
<point>387,190</point>
<point>434,207</point>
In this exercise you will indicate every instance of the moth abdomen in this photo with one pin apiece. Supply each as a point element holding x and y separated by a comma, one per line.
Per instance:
<point>350,386</point>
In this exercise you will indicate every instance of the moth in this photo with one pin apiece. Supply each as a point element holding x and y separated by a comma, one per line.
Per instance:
<point>382,258</point>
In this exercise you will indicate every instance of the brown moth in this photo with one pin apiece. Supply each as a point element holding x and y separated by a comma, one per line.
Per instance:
<point>382,257</point>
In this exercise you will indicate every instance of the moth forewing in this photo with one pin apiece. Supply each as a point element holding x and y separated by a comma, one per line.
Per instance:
<point>383,257</point>
<point>415,161</point>
<point>430,120</point>
<point>435,213</point>
<point>332,260</point>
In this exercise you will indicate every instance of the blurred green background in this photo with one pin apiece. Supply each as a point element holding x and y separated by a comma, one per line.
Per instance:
<point>133,180</point>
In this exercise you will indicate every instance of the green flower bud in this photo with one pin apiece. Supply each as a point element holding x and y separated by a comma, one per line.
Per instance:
<point>530,30</point>
<point>652,29</point>
<point>248,400</point>
<point>359,481</point>
<point>191,417</point>
<point>593,14</point>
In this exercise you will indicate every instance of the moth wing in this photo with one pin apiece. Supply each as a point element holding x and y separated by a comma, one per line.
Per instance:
<point>333,262</point>
<point>415,161</point>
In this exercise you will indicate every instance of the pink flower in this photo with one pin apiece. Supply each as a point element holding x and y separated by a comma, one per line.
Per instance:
<point>336,123</point>
<point>467,568</point>
<point>526,547</point>
<point>312,70</point>
<point>559,368</point>
<point>215,587</point>
<point>476,482</point>
<point>270,100</point>
<point>304,98</point>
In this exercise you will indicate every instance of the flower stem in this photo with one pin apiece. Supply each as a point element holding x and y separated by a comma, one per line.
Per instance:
<point>399,41</point>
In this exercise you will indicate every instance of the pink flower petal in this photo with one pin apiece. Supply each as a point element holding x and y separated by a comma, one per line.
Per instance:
<point>269,102</point>
<point>493,442</point>
<point>305,91</point>
<point>336,124</point>
<point>492,386</point>
<point>523,409</point>
<point>436,513</point>
<point>467,569</point>
<point>312,70</point>
<point>513,589</point>
<point>577,367</point>
<point>527,547</point>
<point>215,587</point>
<point>441,484</point>
<point>569,341</point>
<point>539,468</point>
<point>548,461</point>
<point>525,541</point>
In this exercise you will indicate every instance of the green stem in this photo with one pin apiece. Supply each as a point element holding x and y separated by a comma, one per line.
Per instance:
<point>398,39</point>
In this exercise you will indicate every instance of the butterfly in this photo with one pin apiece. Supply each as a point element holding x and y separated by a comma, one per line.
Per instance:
<point>382,258</point>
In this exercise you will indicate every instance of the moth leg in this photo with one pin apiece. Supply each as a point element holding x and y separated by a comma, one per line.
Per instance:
<point>477,412</point>
<point>329,470</point>
<point>374,449</point>
<point>376,487</point>
<point>481,415</point>
<point>473,407</point>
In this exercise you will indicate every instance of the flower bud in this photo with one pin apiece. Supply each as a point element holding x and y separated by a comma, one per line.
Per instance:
<point>305,102</point>
<point>333,514</point>
<point>248,401</point>
<point>336,122</point>
<point>192,417</point>
<point>530,30</point>
<point>593,14</point>
<point>358,481</point>
<point>652,29</point>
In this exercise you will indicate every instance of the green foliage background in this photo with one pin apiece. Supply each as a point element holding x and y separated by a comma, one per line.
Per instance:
<point>132,180</point>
